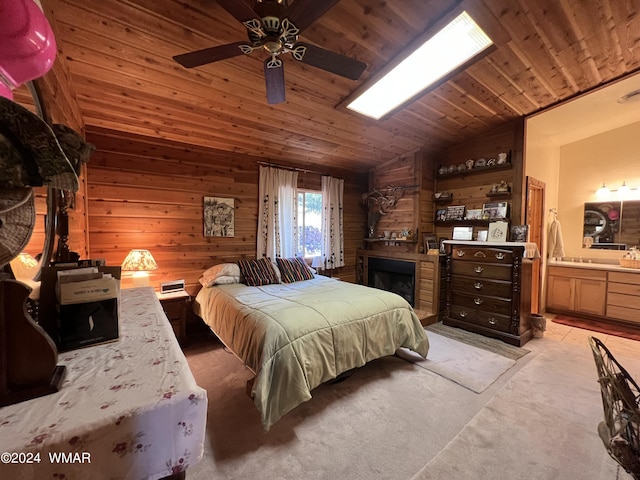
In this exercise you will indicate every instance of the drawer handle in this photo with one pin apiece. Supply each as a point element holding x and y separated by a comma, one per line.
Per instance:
<point>463,314</point>
<point>477,285</point>
<point>479,269</point>
<point>492,321</point>
<point>477,301</point>
<point>461,253</point>
<point>480,253</point>
<point>500,256</point>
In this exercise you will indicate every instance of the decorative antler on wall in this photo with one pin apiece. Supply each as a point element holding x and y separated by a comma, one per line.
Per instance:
<point>383,200</point>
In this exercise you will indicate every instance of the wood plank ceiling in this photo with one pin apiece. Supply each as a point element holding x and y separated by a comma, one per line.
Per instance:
<point>119,53</point>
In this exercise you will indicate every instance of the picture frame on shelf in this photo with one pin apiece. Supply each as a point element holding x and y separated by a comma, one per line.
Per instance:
<point>483,235</point>
<point>498,231</point>
<point>519,233</point>
<point>441,214</point>
<point>495,210</point>
<point>462,233</point>
<point>441,243</point>
<point>455,212</point>
<point>430,242</point>
<point>473,214</point>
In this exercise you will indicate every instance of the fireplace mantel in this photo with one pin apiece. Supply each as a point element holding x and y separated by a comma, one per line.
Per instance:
<point>427,280</point>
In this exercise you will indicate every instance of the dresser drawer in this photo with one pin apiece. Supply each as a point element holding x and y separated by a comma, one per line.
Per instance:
<point>482,270</point>
<point>478,317</point>
<point>489,304</point>
<point>174,309</point>
<point>485,255</point>
<point>483,286</point>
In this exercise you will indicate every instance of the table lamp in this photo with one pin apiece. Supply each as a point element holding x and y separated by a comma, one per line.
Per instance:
<point>140,262</point>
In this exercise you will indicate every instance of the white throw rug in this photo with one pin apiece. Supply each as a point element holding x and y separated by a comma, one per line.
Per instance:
<point>471,367</point>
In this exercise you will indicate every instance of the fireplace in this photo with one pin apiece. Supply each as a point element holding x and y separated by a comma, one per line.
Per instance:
<point>397,276</point>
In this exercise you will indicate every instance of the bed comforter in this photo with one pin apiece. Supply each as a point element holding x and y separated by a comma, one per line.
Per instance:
<point>296,336</point>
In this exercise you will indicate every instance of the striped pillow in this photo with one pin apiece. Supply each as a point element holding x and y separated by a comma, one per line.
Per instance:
<point>258,272</point>
<point>293,269</point>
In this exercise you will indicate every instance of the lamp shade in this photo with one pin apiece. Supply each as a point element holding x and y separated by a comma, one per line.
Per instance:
<point>139,261</point>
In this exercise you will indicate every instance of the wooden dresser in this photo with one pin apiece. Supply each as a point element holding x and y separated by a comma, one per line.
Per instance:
<point>489,289</point>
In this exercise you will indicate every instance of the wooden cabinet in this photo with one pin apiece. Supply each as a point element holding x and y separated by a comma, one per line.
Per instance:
<point>488,290</point>
<point>577,290</point>
<point>623,296</point>
<point>176,307</point>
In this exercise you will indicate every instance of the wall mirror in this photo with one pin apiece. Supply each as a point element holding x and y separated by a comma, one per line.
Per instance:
<point>613,225</point>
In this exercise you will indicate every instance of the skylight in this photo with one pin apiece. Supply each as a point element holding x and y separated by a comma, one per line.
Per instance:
<point>442,53</point>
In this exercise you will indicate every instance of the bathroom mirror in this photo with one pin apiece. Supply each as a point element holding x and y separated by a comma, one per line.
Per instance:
<point>613,225</point>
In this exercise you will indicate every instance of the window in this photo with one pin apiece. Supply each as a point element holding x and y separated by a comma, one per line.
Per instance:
<point>309,223</point>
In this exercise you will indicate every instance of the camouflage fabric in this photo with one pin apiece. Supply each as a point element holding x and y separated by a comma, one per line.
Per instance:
<point>17,218</point>
<point>77,150</point>
<point>41,160</point>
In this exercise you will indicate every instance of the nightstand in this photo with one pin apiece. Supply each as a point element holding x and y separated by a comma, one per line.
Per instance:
<point>175,306</point>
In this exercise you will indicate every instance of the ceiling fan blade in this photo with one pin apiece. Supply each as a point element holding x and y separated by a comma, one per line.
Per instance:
<point>239,9</point>
<point>329,61</point>
<point>274,80</point>
<point>302,13</point>
<point>209,55</point>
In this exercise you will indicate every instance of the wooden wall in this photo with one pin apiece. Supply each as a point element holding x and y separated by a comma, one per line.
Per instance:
<point>148,193</point>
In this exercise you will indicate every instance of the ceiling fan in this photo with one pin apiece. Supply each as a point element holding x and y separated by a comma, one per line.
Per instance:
<point>274,26</point>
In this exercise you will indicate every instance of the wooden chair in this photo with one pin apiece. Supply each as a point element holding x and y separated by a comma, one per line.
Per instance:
<point>620,430</point>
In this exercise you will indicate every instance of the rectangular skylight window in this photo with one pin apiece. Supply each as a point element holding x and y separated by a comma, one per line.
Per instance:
<point>442,53</point>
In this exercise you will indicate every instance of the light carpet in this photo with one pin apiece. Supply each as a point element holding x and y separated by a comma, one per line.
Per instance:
<point>540,425</point>
<point>473,368</point>
<point>384,422</point>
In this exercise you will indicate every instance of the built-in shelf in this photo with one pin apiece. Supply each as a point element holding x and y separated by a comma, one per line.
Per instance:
<point>470,222</point>
<point>474,170</point>
<point>499,194</point>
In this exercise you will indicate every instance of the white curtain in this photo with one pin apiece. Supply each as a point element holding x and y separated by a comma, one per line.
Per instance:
<point>332,223</point>
<point>277,217</point>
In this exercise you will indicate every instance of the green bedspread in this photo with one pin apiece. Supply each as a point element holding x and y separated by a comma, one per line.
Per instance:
<point>296,336</point>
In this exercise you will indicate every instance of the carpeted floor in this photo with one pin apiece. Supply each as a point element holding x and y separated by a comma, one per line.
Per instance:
<point>609,328</point>
<point>392,420</point>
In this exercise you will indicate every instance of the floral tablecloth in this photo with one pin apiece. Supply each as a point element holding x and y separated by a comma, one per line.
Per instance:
<point>128,409</point>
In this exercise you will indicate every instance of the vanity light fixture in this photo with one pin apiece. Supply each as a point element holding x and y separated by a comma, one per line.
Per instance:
<point>624,191</point>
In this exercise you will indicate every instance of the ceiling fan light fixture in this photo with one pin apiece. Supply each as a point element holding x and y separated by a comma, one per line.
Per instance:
<point>455,44</point>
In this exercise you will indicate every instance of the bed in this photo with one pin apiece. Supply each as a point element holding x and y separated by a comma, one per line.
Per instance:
<point>295,336</point>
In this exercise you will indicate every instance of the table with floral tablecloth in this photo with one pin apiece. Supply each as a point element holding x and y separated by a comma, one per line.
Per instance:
<point>128,409</point>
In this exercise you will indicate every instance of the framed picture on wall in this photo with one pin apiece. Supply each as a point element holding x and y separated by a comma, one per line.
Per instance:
<point>498,231</point>
<point>441,215</point>
<point>455,212</point>
<point>496,210</point>
<point>429,241</point>
<point>219,217</point>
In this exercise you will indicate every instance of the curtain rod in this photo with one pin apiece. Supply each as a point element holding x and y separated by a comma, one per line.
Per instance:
<point>295,169</point>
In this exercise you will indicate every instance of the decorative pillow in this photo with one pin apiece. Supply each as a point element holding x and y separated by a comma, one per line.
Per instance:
<point>258,272</point>
<point>221,280</point>
<point>210,276</point>
<point>294,269</point>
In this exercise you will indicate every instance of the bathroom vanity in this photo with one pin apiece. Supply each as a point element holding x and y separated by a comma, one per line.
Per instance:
<point>605,291</point>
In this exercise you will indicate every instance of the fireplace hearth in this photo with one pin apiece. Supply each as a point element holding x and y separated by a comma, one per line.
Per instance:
<point>397,276</point>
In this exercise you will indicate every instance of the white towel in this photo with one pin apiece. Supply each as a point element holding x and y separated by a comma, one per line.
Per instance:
<point>556,245</point>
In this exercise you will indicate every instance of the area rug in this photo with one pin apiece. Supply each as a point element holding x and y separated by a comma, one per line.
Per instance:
<point>471,367</point>
<point>542,424</point>
<point>486,343</point>
<point>615,329</point>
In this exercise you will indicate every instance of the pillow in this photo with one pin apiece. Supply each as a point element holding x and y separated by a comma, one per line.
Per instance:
<point>221,280</point>
<point>211,276</point>
<point>294,269</point>
<point>258,272</point>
